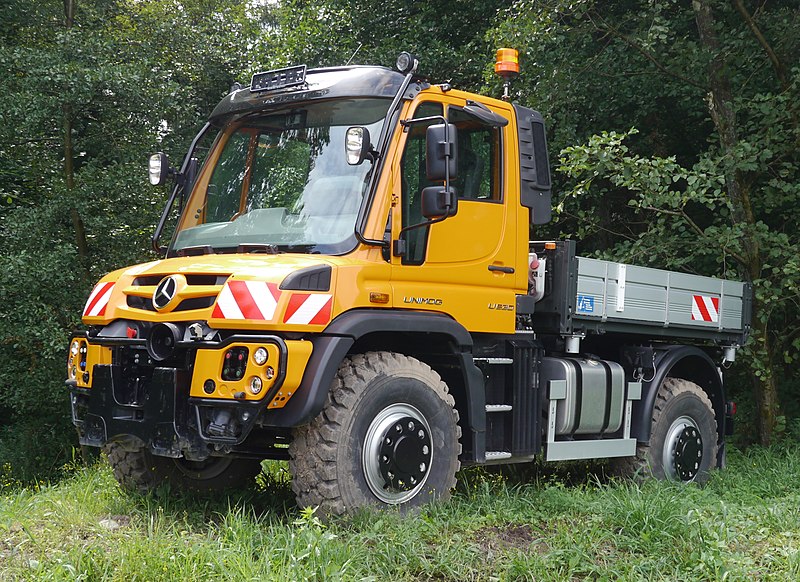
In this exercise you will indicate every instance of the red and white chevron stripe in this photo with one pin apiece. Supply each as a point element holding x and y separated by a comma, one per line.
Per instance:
<point>98,300</point>
<point>247,300</point>
<point>308,309</point>
<point>705,308</point>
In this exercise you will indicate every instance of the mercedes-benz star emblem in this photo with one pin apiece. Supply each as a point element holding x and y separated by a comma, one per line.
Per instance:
<point>165,292</point>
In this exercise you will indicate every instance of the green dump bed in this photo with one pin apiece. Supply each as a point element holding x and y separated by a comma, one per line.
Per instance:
<point>595,296</point>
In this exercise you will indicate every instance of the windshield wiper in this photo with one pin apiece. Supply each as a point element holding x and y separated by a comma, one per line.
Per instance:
<point>263,248</point>
<point>194,251</point>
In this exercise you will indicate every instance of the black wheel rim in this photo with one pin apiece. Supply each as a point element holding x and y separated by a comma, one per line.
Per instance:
<point>683,450</point>
<point>202,470</point>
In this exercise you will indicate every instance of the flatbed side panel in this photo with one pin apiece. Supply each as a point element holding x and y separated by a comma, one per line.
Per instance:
<point>615,292</point>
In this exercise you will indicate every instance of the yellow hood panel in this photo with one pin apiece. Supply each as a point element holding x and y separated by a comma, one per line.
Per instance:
<point>236,291</point>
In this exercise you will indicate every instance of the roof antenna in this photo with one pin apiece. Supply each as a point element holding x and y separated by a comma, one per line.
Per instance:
<point>350,60</point>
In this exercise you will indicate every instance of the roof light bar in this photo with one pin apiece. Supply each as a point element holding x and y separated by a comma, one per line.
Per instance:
<point>278,79</point>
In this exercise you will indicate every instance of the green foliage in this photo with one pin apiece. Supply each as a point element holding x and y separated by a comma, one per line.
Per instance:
<point>691,187</point>
<point>449,37</point>
<point>83,107</point>
<point>742,525</point>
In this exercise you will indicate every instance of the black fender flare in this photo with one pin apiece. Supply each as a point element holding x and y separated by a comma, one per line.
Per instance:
<point>332,345</point>
<point>678,359</point>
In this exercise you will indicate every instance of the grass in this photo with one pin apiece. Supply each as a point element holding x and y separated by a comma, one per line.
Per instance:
<point>744,525</point>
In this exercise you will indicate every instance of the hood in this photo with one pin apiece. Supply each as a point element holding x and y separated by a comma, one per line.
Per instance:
<point>226,290</point>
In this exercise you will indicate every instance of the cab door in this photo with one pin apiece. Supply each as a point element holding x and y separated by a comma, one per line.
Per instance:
<point>465,264</point>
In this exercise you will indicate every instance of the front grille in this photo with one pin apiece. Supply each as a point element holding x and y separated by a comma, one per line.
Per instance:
<point>140,303</point>
<point>147,280</point>
<point>196,303</point>
<point>140,294</point>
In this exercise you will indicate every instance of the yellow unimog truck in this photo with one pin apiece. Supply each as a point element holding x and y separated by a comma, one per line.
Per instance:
<point>350,286</point>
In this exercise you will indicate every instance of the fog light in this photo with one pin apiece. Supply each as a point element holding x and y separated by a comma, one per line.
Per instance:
<point>260,356</point>
<point>74,348</point>
<point>255,385</point>
<point>406,63</point>
<point>209,386</point>
<point>73,373</point>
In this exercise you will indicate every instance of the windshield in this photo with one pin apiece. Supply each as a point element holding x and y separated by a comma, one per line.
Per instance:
<point>282,179</point>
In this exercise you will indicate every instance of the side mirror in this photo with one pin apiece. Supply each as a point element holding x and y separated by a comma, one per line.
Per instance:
<point>357,145</point>
<point>159,168</point>
<point>439,202</point>
<point>441,152</point>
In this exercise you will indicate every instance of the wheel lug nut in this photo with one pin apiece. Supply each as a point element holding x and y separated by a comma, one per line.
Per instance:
<point>422,467</point>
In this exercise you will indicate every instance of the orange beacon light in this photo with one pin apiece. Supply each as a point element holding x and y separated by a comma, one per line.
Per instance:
<point>507,66</point>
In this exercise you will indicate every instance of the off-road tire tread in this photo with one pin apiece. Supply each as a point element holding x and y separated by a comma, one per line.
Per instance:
<point>138,471</point>
<point>130,468</point>
<point>639,468</point>
<point>313,450</point>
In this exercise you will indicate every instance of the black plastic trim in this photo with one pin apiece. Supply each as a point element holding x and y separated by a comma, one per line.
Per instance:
<point>359,322</point>
<point>534,170</point>
<point>314,278</point>
<point>666,361</point>
<point>332,347</point>
<point>309,398</point>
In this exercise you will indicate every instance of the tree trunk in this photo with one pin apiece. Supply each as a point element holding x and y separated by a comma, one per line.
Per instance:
<point>723,114</point>
<point>69,166</point>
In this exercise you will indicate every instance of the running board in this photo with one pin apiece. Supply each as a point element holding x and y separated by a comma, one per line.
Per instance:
<point>499,408</point>
<point>497,456</point>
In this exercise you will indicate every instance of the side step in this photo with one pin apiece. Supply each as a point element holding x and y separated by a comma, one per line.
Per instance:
<point>494,456</point>
<point>499,408</point>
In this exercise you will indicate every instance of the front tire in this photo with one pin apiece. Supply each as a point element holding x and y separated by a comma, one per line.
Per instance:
<point>387,435</point>
<point>683,440</point>
<point>139,470</point>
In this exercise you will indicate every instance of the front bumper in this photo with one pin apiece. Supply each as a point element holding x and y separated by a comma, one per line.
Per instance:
<point>163,406</point>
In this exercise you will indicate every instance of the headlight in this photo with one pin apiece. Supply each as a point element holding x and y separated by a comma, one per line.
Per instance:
<point>260,356</point>
<point>255,385</point>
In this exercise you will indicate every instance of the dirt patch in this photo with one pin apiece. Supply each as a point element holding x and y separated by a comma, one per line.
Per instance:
<point>511,536</point>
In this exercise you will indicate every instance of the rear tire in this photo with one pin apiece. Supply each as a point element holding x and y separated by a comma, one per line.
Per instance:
<point>683,440</point>
<point>387,435</point>
<point>139,470</point>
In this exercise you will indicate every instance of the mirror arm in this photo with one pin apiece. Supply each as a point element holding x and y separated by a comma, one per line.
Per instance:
<point>383,144</point>
<point>420,224</point>
<point>178,188</point>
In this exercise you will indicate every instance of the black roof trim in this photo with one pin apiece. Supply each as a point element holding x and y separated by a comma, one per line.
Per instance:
<point>328,83</point>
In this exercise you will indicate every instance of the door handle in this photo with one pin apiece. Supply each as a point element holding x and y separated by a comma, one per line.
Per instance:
<point>501,269</point>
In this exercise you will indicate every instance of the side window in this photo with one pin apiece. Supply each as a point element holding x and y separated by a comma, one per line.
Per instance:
<point>478,159</point>
<point>414,179</point>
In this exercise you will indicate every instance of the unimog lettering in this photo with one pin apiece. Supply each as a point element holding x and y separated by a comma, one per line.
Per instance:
<point>422,300</point>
